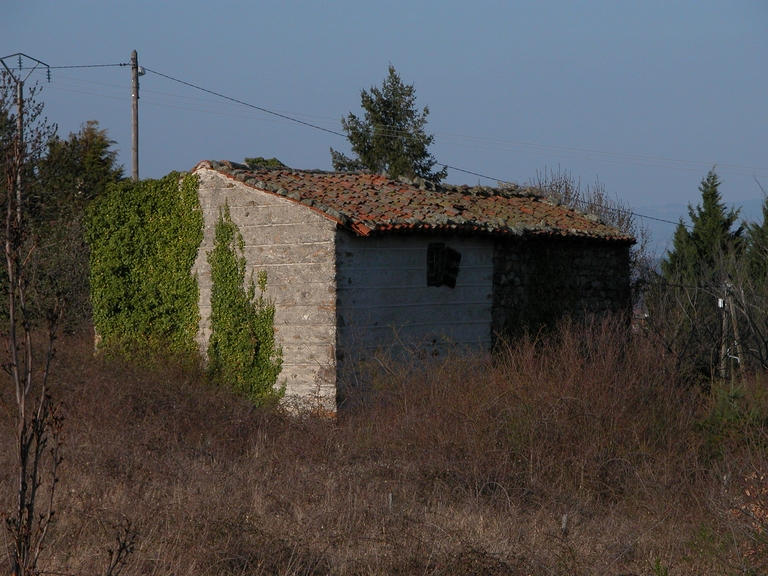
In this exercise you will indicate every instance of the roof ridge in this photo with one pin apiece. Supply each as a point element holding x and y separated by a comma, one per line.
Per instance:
<point>369,203</point>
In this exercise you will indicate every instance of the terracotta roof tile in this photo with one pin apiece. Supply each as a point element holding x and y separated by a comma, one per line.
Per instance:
<point>370,204</point>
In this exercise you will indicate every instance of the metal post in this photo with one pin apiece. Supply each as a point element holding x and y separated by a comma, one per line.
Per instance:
<point>20,153</point>
<point>135,113</point>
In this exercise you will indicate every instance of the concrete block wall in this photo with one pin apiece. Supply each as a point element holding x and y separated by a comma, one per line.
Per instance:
<point>384,303</point>
<point>296,247</point>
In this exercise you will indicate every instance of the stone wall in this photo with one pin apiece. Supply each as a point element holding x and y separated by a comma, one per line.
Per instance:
<point>537,282</point>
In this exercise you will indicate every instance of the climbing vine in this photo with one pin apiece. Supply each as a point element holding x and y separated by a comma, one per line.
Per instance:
<point>242,350</point>
<point>143,239</point>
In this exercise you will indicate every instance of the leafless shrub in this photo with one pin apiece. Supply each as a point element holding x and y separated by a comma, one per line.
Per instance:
<point>563,188</point>
<point>35,416</point>
<point>454,464</point>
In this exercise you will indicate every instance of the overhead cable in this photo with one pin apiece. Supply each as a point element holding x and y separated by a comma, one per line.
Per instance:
<point>247,104</point>
<point>395,133</point>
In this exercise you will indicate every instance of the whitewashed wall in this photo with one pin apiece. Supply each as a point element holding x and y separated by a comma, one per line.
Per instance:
<point>382,293</point>
<point>295,245</point>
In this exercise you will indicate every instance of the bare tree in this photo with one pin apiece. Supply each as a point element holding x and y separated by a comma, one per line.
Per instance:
<point>37,422</point>
<point>561,187</point>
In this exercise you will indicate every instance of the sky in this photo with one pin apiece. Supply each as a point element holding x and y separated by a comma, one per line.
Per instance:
<point>644,97</point>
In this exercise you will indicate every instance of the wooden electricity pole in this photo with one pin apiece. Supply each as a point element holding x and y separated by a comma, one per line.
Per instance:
<point>135,114</point>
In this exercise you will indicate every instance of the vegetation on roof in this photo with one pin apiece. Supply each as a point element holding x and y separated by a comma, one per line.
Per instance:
<point>371,203</point>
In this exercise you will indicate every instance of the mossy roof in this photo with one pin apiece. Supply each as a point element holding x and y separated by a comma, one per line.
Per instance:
<point>373,204</point>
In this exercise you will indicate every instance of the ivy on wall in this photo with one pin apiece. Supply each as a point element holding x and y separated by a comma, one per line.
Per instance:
<point>242,350</point>
<point>144,238</point>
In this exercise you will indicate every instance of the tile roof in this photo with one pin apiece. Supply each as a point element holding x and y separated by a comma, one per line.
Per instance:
<point>373,204</point>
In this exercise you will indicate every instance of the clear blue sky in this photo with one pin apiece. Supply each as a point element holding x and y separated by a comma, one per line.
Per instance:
<point>644,95</point>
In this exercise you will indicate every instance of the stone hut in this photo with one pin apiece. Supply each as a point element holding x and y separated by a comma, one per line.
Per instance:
<point>356,261</point>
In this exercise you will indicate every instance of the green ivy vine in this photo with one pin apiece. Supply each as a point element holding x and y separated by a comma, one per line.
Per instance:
<point>143,240</point>
<point>242,350</point>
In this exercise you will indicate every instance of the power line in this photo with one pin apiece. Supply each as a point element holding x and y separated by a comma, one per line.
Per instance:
<point>616,156</point>
<point>658,219</point>
<point>394,133</point>
<point>470,172</point>
<point>286,117</point>
<point>90,66</point>
<point>387,132</point>
<point>584,203</point>
<point>491,143</point>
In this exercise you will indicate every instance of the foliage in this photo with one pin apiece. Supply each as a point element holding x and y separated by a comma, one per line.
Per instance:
<point>242,350</point>
<point>757,247</point>
<point>734,418</point>
<point>75,171</point>
<point>144,238</point>
<point>683,304</point>
<point>58,269</point>
<point>391,138</point>
<point>260,161</point>
<point>68,177</point>
<point>7,127</point>
<point>59,178</point>
<point>591,421</point>
<point>37,134</point>
<point>696,254</point>
<point>709,304</point>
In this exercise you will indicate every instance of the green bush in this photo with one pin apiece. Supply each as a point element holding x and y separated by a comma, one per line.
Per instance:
<point>242,350</point>
<point>144,239</point>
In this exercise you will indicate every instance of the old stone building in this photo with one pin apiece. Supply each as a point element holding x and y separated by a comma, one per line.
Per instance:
<point>356,261</point>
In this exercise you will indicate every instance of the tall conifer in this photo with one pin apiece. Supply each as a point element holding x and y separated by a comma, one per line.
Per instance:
<point>390,139</point>
<point>699,254</point>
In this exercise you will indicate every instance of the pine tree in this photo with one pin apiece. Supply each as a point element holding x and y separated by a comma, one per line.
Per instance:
<point>698,256</point>
<point>757,247</point>
<point>698,272</point>
<point>391,138</point>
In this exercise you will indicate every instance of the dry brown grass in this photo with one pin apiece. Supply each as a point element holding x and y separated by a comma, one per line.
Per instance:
<point>460,465</point>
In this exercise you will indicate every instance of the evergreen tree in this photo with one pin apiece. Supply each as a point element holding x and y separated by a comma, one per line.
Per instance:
<point>59,178</point>
<point>390,139</point>
<point>757,247</point>
<point>698,255</point>
<point>700,269</point>
<point>74,172</point>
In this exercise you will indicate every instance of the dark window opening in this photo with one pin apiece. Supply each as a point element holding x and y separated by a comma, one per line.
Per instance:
<point>442,265</point>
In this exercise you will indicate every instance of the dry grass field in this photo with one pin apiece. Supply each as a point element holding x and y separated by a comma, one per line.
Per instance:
<point>586,452</point>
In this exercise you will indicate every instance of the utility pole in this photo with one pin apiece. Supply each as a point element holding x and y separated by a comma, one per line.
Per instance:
<point>135,113</point>
<point>20,146</point>
<point>20,151</point>
<point>722,303</point>
<point>737,351</point>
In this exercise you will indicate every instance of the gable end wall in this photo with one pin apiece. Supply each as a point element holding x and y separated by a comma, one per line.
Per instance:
<point>296,247</point>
